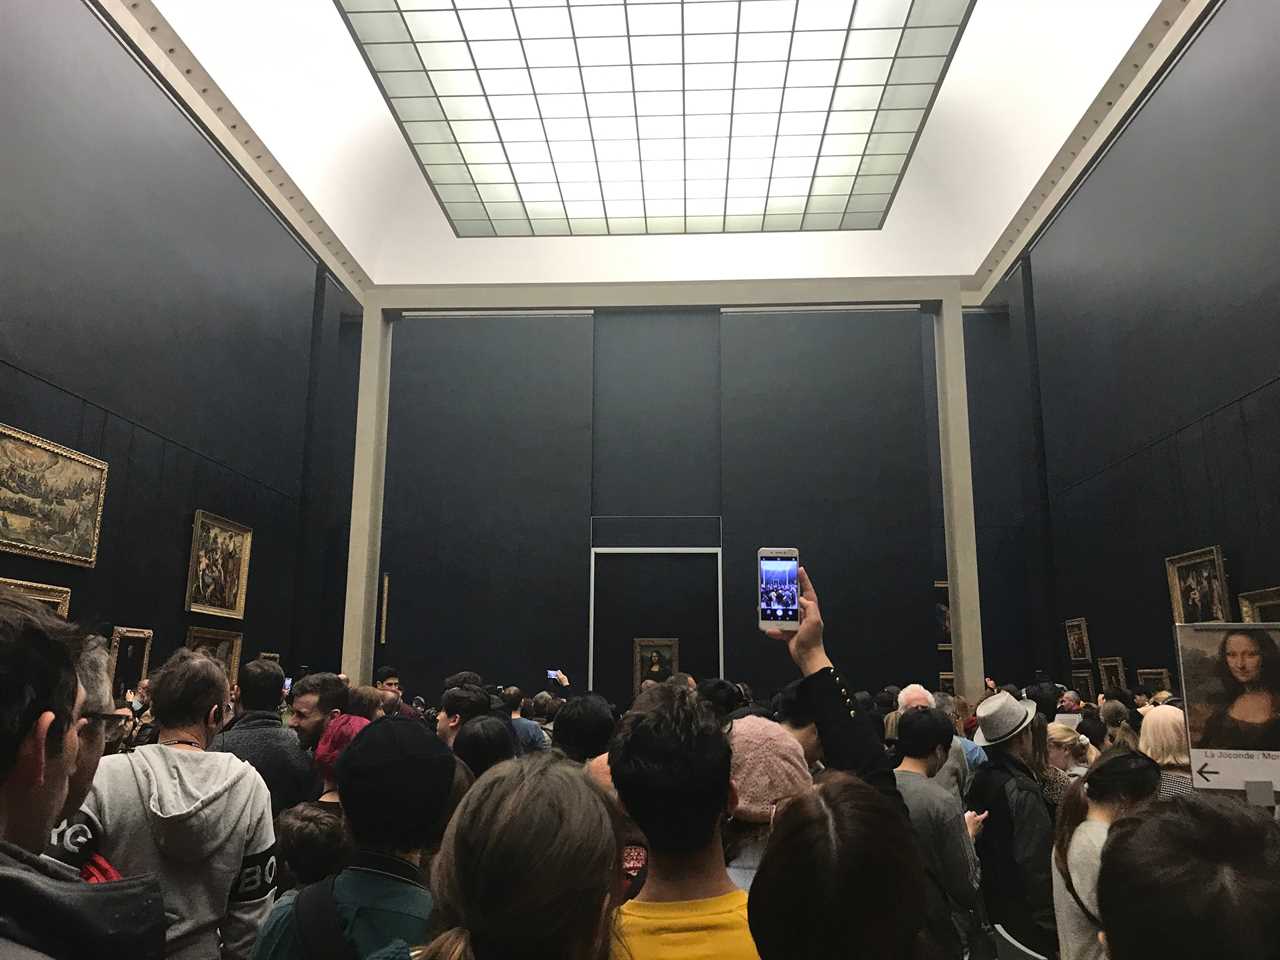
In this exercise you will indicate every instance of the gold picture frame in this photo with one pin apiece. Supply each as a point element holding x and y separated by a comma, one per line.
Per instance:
<point>1156,679</point>
<point>126,637</point>
<point>218,573</point>
<point>1082,683</point>
<point>642,649</point>
<point>221,645</point>
<point>947,683</point>
<point>1112,674</point>
<point>1260,606</point>
<point>51,499</point>
<point>1198,586</point>
<point>58,599</point>
<point>1078,648</point>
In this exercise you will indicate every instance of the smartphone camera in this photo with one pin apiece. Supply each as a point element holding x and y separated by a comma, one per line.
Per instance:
<point>779,582</point>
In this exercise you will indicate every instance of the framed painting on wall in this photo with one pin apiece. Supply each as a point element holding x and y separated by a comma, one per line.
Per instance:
<point>1156,680</point>
<point>1198,586</point>
<point>221,645</point>
<point>1112,674</point>
<point>947,683</point>
<point>51,499</point>
<point>129,660</point>
<point>1082,683</point>
<point>656,658</point>
<point>57,599</point>
<point>218,576</point>
<point>1078,639</point>
<point>1260,606</point>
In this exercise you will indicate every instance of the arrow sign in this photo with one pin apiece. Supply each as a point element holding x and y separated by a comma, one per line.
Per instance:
<point>1206,773</point>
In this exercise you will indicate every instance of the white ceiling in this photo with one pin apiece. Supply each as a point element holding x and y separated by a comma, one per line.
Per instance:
<point>1022,77</point>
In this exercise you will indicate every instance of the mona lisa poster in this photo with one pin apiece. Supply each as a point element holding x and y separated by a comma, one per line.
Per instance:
<point>1231,675</point>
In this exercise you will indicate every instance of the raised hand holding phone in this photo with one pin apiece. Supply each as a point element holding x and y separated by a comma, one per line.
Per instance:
<point>805,644</point>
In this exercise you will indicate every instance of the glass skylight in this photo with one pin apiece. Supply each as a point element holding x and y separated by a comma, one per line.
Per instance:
<point>557,117</point>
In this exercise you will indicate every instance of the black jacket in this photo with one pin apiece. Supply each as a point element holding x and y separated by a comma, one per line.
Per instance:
<point>259,737</point>
<point>47,910</point>
<point>1016,850</point>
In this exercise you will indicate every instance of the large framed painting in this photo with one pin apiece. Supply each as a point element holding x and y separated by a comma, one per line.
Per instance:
<point>221,645</point>
<point>1260,606</point>
<point>1156,679</point>
<point>1082,683</point>
<point>51,499</point>
<point>1078,639</point>
<point>1112,673</point>
<point>1198,586</point>
<point>655,659</point>
<point>57,599</point>
<point>129,660</point>
<point>218,577</point>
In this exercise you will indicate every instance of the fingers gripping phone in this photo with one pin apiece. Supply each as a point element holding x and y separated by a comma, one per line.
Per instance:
<point>778,577</point>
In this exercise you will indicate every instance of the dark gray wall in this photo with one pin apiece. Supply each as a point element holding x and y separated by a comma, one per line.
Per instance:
<point>1155,295</point>
<point>154,313</point>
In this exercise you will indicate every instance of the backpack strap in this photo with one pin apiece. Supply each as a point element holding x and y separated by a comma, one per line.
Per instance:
<point>319,929</point>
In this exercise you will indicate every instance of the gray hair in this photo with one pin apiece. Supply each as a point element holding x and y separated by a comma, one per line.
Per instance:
<point>1074,696</point>
<point>946,703</point>
<point>911,689</point>
<point>90,654</point>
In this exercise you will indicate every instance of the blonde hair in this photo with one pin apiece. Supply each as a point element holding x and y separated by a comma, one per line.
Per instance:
<point>1074,742</point>
<point>1116,716</point>
<point>1161,696</point>
<point>1164,737</point>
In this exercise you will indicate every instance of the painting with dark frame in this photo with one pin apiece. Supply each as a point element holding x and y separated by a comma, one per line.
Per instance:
<point>221,645</point>
<point>1198,586</point>
<point>1082,683</point>
<point>1078,639</point>
<point>1156,679</point>
<point>1260,606</point>
<point>947,683</point>
<point>130,659</point>
<point>218,575</point>
<point>655,658</point>
<point>57,599</point>
<point>1111,673</point>
<point>51,499</point>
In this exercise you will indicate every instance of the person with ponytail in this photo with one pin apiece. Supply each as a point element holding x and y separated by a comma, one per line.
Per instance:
<point>1118,783</point>
<point>536,816</point>
<point>1070,750</point>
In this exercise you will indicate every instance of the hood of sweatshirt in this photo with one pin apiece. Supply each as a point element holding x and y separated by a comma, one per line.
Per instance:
<point>186,795</point>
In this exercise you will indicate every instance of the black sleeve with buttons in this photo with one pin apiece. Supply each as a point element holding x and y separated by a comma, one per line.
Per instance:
<point>849,739</point>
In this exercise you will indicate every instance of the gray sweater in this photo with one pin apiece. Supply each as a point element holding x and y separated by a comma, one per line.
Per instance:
<point>1077,934</point>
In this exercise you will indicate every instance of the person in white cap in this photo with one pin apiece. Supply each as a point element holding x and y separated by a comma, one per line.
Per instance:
<point>1016,846</point>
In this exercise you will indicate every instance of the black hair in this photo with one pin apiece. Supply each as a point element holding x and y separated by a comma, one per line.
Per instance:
<point>1120,694</point>
<point>383,674</point>
<point>188,686</point>
<point>1142,691</point>
<point>465,702</point>
<point>724,697</point>
<point>670,766</point>
<point>331,693</point>
<point>1193,877</point>
<point>463,678</point>
<point>922,731</point>
<point>584,727</point>
<point>37,675</point>
<point>1091,726</point>
<point>512,698</point>
<point>261,685</point>
<point>1268,675</point>
<point>484,741</point>
<point>791,708</point>
<point>885,702</point>
<point>1045,696</point>
<point>313,841</point>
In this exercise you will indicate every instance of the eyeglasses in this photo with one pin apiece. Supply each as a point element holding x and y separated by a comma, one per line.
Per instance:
<point>113,724</point>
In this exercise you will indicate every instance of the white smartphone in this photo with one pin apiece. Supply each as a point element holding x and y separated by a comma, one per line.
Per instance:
<point>778,576</point>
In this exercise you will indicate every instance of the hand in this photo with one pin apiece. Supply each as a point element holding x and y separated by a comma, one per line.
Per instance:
<point>562,678</point>
<point>974,822</point>
<point>805,645</point>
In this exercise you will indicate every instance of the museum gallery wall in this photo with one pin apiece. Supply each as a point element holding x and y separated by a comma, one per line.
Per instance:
<point>155,366</point>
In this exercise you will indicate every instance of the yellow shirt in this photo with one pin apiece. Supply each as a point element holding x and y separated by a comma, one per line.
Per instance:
<point>713,929</point>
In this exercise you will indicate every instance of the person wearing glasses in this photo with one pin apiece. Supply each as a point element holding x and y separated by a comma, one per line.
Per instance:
<point>199,820</point>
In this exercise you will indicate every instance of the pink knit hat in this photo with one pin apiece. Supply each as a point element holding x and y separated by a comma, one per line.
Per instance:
<point>768,766</point>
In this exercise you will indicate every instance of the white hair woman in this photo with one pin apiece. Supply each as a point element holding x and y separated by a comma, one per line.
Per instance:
<point>1164,740</point>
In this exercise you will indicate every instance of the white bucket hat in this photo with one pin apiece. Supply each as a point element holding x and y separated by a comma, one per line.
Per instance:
<point>1001,718</point>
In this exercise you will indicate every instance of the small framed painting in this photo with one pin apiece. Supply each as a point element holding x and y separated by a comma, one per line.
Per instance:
<point>1198,586</point>
<point>1156,680</point>
<point>655,659</point>
<point>129,659</point>
<point>1112,673</point>
<point>218,576</point>
<point>221,645</point>
<point>947,683</point>
<point>1078,639</point>
<point>1260,606</point>
<point>57,599</point>
<point>1082,683</point>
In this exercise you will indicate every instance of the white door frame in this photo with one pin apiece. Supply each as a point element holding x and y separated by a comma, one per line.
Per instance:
<point>591,609</point>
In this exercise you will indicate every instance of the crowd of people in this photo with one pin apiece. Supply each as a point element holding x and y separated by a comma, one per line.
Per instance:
<point>230,821</point>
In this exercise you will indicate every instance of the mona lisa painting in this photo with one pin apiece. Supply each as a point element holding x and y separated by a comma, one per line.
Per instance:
<point>655,659</point>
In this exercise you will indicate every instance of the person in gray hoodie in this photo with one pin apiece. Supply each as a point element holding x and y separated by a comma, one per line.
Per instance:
<point>200,821</point>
